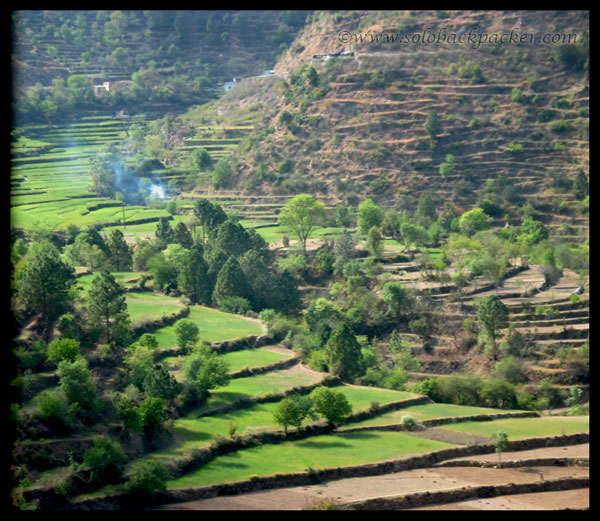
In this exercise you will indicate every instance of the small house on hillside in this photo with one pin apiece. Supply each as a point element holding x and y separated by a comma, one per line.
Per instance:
<point>228,85</point>
<point>105,87</point>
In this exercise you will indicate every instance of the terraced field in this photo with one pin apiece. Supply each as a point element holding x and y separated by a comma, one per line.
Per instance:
<point>50,177</point>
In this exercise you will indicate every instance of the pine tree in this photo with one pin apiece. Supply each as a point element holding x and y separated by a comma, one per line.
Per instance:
<point>344,355</point>
<point>120,257</point>
<point>181,235</point>
<point>107,307</point>
<point>581,187</point>
<point>231,282</point>
<point>193,279</point>
<point>44,280</point>
<point>164,233</point>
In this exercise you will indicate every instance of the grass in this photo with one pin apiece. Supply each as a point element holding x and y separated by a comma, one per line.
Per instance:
<point>125,278</point>
<point>236,360</point>
<point>213,325</point>
<point>146,305</point>
<point>425,412</point>
<point>518,428</point>
<point>318,452</point>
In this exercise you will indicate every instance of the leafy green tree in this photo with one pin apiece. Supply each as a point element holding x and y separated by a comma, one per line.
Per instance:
<point>104,461</point>
<point>501,443</point>
<point>369,215</point>
<point>186,332</point>
<point>44,281</point>
<point>473,221</point>
<point>201,159</point>
<point>144,251</point>
<point>63,349</point>
<point>322,317</point>
<point>302,214</point>
<point>147,478</point>
<point>153,415</point>
<point>413,235</point>
<point>148,341</point>
<point>102,172</point>
<point>164,273</point>
<point>139,363</point>
<point>396,297</point>
<point>492,315</point>
<point>53,410</point>
<point>78,387</point>
<point>293,411</point>
<point>374,242</point>
<point>344,355</point>
<point>204,370</point>
<point>107,307</point>
<point>499,393</point>
<point>332,405</point>
<point>231,282</point>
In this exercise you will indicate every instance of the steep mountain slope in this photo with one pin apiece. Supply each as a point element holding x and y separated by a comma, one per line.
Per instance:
<point>512,118</point>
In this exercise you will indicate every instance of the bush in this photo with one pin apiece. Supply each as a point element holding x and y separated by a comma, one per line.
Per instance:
<point>63,349</point>
<point>408,421</point>
<point>105,460</point>
<point>147,478</point>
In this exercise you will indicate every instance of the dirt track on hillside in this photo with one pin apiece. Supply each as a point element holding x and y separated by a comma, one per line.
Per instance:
<point>420,480</point>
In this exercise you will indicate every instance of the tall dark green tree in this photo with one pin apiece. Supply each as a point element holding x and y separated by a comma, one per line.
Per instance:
<point>344,355</point>
<point>209,215</point>
<point>581,187</point>
<point>164,233</point>
<point>120,257</point>
<point>107,307</point>
<point>181,235</point>
<point>193,279</point>
<point>43,280</point>
<point>231,282</point>
<point>232,238</point>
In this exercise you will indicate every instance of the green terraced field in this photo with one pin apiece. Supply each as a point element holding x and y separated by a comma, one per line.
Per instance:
<point>214,326</point>
<point>518,428</point>
<point>49,188</point>
<point>318,452</point>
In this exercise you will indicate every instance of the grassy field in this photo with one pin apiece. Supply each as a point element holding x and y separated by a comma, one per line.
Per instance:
<point>317,452</point>
<point>147,305</point>
<point>50,175</point>
<point>125,278</point>
<point>236,360</point>
<point>214,326</point>
<point>425,412</point>
<point>518,428</point>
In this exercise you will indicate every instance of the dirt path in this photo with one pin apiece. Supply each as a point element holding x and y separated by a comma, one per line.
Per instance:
<point>421,480</point>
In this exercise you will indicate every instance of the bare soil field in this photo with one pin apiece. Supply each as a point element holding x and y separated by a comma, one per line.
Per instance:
<point>421,480</point>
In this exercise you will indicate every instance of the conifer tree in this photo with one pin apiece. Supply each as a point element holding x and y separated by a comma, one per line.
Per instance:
<point>231,282</point>
<point>107,307</point>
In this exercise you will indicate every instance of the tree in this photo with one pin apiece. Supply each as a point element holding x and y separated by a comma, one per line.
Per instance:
<point>153,414</point>
<point>147,478</point>
<point>159,383</point>
<point>204,370</point>
<point>292,410</point>
<point>149,341</point>
<point>501,443</point>
<point>102,172</point>
<point>107,307</point>
<point>120,257</point>
<point>193,279</point>
<point>395,296</point>
<point>492,315</point>
<point>182,236</point>
<point>302,214</point>
<point>581,187</point>
<point>164,273</point>
<point>374,242</point>
<point>164,233</point>
<point>78,387</point>
<point>473,221</point>
<point>209,215</point>
<point>105,460</point>
<point>413,234</point>
<point>139,363</point>
<point>432,124</point>
<point>232,238</point>
<point>344,355</point>
<point>43,280</point>
<point>231,282</point>
<point>63,349</point>
<point>186,332</point>
<point>332,405</point>
<point>369,215</point>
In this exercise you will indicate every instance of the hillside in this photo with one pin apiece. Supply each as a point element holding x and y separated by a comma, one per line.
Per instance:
<point>514,118</point>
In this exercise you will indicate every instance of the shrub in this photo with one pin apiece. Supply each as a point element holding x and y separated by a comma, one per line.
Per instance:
<point>63,349</point>
<point>147,477</point>
<point>105,460</point>
<point>408,422</point>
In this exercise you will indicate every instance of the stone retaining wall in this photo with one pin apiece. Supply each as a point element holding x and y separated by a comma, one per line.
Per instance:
<point>428,460</point>
<point>467,493</point>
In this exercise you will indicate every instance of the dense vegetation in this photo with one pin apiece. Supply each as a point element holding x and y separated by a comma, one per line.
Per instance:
<point>415,224</point>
